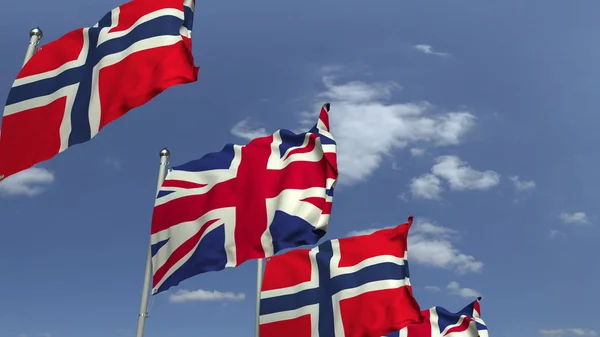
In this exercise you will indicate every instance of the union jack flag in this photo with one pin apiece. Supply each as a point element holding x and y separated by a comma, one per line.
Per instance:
<point>242,203</point>
<point>351,287</point>
<point>439,322</point>
<point>74,86</point>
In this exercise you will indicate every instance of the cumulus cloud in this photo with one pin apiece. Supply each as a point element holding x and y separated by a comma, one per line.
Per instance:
<point>571,218</point>
<point>568,332</point>
<point>205,295</point>
<point>368,127</point>
<point>431,245</point>
<point>28,183</point>
<point>426,186</point>
<point>427,49</point>
<point>457,173</point>
<point>521,185</point>
<point>246,130</point>
<point>454,288</point>
<point>461,176</point>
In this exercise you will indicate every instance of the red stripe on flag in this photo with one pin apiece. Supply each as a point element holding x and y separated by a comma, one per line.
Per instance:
<point>464,326</point>
<point>180,252</point>
<point>394,245</point>
<point>30,136</point>
<point>172,65</point>
<point>182,184</point>
<point>378,308</point>
<point>295,327</point>
<point>309,147</point>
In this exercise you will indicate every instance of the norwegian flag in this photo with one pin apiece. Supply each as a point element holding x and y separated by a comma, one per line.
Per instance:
<point>351,287</point>
<point>440,322</point>
<point>242,203</point>
<point>74,86</point>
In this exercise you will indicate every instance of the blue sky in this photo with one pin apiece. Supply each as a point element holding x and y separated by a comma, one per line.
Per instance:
<point>494,91</point>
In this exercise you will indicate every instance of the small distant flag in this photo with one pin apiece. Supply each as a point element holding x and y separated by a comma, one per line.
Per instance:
<point>351,287</point>
<point>439,322</point>
<point>242,203</point>
<point>73,87</point>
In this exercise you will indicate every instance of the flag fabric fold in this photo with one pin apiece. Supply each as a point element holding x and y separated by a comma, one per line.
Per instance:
<point>244,202</point>
<point>351,287</point>
<point>74,86</point>
<point>439,322</point>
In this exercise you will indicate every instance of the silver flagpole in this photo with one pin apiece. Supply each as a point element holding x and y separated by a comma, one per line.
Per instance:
<point>164,158</point>
<point>259,278</point>
<point>35,35</point>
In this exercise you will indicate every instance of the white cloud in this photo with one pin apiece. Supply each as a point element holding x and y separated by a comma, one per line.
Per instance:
<point>432,288</point>
<point>572,218</point>
<point>455,289</point>
<point>367,127</point>
<point>461,176</point>
<point>205,295</point>
<point>431,245</point>
<point>522,186</point>
<point>22,335</point>
<point>358,92</point>
<point>417,152</point>
<point>568,332</point>
<point>427,228</point>
<point>45,334</point>
<point>426,186</point>
<point>244,129</point>
<point>555,234</point>
<point>30,182</point>
<point>427,49</point>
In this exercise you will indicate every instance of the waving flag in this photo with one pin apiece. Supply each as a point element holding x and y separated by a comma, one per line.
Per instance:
<point>242,203</point>
<point>440,322</point>
<point>352,287</point>
<point>73,87</point>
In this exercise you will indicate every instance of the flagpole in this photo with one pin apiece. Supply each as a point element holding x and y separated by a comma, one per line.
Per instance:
<point>259,278</point>
<point>164,158</point>
<point>35,35</point>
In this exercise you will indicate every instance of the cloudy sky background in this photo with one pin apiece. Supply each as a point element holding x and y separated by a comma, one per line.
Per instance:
<point>478,119</point>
